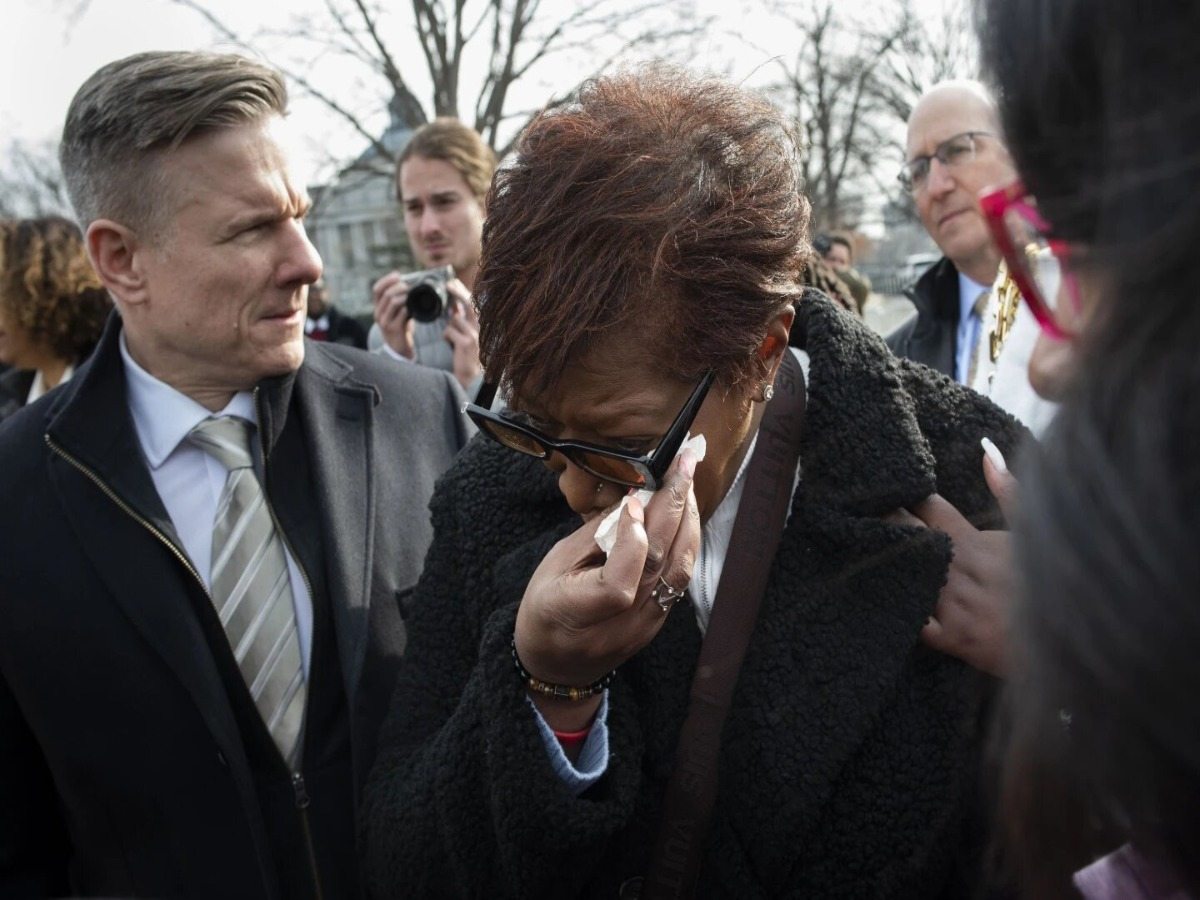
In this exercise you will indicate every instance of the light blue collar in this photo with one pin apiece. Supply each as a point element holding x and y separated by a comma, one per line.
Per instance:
<point>163,416</point>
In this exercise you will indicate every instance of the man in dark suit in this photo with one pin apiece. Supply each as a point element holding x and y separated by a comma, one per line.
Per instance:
<point>954,150</point>
<point>210,532</point>
<point>326,323</point>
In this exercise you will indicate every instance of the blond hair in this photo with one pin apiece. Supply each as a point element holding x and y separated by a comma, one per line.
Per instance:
<point>132,112</point>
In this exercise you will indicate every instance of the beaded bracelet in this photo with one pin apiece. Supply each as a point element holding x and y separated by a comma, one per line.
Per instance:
<point>561,691</point>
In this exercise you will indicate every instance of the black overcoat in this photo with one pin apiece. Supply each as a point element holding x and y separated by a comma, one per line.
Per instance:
<point>122,768</point>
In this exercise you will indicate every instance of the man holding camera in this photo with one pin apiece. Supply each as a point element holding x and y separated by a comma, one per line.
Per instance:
<point>442,179</point>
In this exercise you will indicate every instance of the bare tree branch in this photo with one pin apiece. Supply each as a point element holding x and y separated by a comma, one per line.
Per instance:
<point>838,88</point>
<point>31,182</point>
<point>515,38</point>
<point>409,105</point>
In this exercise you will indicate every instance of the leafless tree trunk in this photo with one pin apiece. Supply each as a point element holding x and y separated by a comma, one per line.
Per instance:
<point>833,86</point>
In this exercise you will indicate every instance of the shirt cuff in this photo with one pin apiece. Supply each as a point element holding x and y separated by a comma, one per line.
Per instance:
<point>577,777</point>
<point>387,349</point>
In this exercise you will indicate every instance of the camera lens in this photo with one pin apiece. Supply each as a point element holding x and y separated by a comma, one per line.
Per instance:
<point>425,302</point>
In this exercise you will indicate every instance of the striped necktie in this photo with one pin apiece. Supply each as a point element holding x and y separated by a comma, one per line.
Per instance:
<point>250,586</point>
<point>977,310</point>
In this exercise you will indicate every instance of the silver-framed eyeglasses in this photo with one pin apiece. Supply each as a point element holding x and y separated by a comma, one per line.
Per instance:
<point>953,152</point>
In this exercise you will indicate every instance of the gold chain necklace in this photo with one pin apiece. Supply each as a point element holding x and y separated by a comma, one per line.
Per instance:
<point>1008,297</point>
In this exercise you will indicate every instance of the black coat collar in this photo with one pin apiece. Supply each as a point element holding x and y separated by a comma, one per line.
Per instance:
<point>936,292</point>
<point>91,420</point>
<point>863,451</point>
<point>90,425</point>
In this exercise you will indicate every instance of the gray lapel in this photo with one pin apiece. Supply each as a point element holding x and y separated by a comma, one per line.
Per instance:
<point>337,413</point>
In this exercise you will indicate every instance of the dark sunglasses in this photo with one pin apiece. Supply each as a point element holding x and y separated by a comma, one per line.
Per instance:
<point>606,463</point>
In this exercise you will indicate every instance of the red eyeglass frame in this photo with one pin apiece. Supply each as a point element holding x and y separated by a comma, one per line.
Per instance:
<point>996,203</point>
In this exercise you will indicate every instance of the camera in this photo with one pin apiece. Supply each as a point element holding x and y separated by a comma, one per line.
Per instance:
<point>427,296</point>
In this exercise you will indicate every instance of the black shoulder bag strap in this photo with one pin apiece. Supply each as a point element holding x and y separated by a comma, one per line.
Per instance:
<point>692,790</point>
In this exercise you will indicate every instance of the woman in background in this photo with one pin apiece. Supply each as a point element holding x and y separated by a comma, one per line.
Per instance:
<point>52,307</point>
<point>1101,111</point>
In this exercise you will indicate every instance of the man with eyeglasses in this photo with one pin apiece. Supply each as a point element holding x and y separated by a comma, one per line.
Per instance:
<point>968,324</point>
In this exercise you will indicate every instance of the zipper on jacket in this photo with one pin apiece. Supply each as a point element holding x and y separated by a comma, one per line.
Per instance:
<point>300,789</point>
<point>125,508</point>
<point>298,786</point>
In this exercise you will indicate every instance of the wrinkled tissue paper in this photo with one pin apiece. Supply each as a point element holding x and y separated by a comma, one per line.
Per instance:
<point>606,534</point>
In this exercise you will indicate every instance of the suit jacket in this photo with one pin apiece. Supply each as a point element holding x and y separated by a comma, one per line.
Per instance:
<point>344,329</point>
<point>931,336</point>
<point>849,763</point>
<point>122,768</point>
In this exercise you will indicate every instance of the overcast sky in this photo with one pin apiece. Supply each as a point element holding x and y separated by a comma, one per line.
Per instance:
<point>46,52</point>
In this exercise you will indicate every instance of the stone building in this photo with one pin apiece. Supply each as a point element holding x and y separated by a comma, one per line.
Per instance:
<point>357,225</point>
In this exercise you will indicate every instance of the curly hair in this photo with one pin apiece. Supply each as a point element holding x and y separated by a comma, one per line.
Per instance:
<point>660,201</point>
<point>49,288</point>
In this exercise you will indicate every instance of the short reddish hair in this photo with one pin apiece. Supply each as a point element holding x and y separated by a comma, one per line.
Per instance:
<point>661,203</point>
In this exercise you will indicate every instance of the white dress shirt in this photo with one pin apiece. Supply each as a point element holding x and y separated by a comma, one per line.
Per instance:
<point>319,324</point>
<point>706,576</point>
<point>1005,380</point>
<point>190,481</point>
<point>38,387</point>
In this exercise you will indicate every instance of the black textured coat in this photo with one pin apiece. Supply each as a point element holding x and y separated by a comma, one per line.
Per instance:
<point>849,760</point>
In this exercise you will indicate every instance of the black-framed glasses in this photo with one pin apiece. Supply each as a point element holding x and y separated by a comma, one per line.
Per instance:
<point>606,463</point>
<point>954,151</point>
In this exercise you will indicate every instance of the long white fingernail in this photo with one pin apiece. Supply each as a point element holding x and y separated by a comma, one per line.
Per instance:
<point>994,454</point>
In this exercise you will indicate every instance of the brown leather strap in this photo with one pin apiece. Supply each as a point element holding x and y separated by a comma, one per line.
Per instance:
<point>766,497</point>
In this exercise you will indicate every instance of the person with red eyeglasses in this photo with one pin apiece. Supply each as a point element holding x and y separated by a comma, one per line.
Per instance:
<point>1101,766</point>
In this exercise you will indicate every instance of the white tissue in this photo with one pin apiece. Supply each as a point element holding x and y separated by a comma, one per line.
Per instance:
<point>606,534</point>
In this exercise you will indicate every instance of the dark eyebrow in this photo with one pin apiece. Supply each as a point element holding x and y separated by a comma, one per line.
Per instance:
<point>265,211</point>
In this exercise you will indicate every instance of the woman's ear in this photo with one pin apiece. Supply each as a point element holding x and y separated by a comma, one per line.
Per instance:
<point>114,252</point>
<point>775,343</point>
